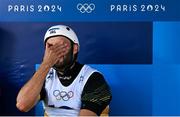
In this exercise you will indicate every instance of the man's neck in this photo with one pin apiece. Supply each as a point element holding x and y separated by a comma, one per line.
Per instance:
<point>62,71</point>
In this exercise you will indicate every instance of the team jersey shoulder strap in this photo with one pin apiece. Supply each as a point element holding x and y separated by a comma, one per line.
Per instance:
<point>85,75</point>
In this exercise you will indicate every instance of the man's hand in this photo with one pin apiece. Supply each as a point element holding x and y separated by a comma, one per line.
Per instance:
<point>54,53</point>
<point>29,94</point>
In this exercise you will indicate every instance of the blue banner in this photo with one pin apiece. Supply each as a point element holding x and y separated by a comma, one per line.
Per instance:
<point>78,10</point>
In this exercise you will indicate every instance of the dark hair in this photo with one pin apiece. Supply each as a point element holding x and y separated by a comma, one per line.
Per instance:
<point>72,47</point>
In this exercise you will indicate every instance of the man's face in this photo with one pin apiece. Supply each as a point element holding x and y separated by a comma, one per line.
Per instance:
<point>67,58</point>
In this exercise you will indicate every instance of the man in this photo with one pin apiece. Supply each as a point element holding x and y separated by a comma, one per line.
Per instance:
<point>67,87</point>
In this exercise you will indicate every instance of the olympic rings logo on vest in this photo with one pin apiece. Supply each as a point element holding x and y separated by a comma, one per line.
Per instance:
<point>63,95</point>
<point>86,8</point>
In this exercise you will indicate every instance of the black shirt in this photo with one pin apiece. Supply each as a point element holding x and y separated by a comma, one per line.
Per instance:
<point>96,94</point>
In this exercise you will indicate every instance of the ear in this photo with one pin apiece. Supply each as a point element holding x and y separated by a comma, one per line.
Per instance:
<point>75,48</point>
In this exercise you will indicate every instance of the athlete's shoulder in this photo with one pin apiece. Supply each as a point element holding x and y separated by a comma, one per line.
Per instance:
<point>96,94</point>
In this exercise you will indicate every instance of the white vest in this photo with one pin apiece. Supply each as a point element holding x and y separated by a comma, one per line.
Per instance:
<point>70,96</point>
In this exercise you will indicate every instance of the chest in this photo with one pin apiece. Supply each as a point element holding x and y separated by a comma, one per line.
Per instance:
<point>69,96</point>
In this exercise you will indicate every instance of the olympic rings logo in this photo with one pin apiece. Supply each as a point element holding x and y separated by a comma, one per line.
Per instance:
<point>63,95</point>
<point>88,8</point>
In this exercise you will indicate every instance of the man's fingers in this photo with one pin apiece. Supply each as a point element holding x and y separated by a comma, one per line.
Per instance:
<point>60,55</point>
<point>56,48</point>
<point>49,45</point>
<point>58,51</point>
<point>64,50</point>
<point>58,45</point>
<point>61,59</point>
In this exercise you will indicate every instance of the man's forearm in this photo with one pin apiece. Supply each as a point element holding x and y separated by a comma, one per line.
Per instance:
<point>29,93</point>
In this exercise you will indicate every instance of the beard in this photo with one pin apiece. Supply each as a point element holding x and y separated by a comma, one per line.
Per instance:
<point>66,62</point>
